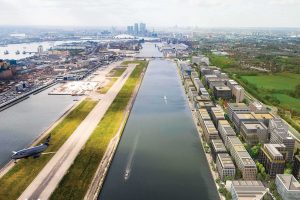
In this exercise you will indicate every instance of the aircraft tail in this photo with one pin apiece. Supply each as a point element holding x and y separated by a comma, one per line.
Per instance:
<point>47,140</point>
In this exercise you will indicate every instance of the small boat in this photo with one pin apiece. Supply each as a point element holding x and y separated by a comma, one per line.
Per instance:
<point>6,52</point>
<point>24,52</point>
<point>126,175</point>
<point>17,52</point>
<point>165,97</point>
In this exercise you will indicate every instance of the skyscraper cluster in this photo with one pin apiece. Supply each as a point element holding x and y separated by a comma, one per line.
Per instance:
<point>137,29</point>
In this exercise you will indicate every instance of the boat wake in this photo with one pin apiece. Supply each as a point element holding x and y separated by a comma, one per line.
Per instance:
<point>130,159</point>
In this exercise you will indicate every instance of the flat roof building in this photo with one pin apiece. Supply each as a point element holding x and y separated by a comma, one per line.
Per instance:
<point>207,105</point>
<point>222,92</point>
<point>202,115</point>
<point>247,190</point>
<point>225,130</point>
<point>217,147</point>
<point>242,158</point>
<point>254,132</point>
<point>225,166</point>
<point>241,116</point>
<point>272,157</point>
<point>288,187</point>
<point>210,131</point>
<point>217,114</point>
<point>279,135</point>
<point>232,107</point>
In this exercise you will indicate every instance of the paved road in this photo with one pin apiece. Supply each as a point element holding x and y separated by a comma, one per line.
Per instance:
<point>50,176</point>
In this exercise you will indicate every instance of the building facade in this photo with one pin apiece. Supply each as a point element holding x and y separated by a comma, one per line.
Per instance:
<point>287,186</point>
<point>225,166</point>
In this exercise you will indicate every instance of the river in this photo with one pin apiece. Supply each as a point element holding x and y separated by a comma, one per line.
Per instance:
<point>25,121</point>
<point>160,155</point>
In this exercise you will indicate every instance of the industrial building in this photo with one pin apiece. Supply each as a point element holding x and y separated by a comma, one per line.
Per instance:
<point>225,166</point>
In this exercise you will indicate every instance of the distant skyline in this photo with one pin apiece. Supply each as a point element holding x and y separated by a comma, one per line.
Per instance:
<point>155,13</point>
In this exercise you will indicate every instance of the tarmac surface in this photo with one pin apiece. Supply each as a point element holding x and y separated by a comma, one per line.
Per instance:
<point>50,176</point>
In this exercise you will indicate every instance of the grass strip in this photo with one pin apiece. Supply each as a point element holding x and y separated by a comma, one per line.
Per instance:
<point>23,173</point>
<point>76,182</point>
<point>104,89</point>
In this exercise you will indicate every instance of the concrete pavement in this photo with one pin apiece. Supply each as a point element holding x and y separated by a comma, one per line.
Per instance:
<point>50,176</point>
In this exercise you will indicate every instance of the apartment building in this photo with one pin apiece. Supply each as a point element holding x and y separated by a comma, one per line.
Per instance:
<point>217,147</point>
<point>225,130</point>
<point>217,114</point>
<point>272,157</point>
<point>287,186</point>
<point>242,158</point>
<point>246,190</point>
<point>210,131</point>
<point>254,132</point>
<point>236,107</point>
<point>225,166</point>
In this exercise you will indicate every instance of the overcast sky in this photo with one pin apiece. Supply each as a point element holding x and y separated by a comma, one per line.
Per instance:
<point>201,13</point>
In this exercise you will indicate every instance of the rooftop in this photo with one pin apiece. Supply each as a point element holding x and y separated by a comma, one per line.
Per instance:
<point>225,160</point>
<point>218,145</point>
<point>247,190</point>
<point>289,181</point>
<point>223,88</point>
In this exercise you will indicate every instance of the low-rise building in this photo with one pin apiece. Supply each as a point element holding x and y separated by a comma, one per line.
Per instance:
<point>256,106</point>
<point>279,135</point>
<point>254,132</point>
<point>247,190</point>
<point>233,107</point>
<point>242,158</point>
<point>217,114</point>
<point>272,157</point>
<point>242,116</point>
<point>225,166</point>
<point>225,130</point>
<point>210,131</point>
<point>217,147</point>
<point>239,93</point>
<point>288,187</point>
<point>222,92</point>
<point>202,116</point>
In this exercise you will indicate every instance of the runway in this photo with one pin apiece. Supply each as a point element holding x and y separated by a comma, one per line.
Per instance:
<point>50,176</point>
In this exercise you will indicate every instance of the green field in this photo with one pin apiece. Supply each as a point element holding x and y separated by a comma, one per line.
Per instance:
<point>22,174</point>
<point>116,72</point>
<point>288,102</point>
<point>279,81</point>
<point>222,61</point>
<point>76,182</point>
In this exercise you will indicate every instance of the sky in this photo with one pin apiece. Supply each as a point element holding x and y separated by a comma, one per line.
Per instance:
<point>155,13</point>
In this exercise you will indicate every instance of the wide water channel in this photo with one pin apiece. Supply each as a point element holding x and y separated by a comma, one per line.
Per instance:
<point>160,155</point>
<point>25,121</point>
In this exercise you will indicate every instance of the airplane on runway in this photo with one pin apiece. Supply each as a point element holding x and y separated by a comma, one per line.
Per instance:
<point>34,152</point>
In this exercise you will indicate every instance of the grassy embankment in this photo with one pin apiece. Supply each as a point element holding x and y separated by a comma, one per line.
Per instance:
<point>22,174</point>
<point>76,182</point>
<point>116,72</point>
<point>278,89</point>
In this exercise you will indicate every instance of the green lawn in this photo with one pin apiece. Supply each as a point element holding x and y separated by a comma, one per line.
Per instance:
<point>280,81</point>
<point>116,72</point>
<point>21,175</point>
<point>76,182</point>
<point>288,102</point>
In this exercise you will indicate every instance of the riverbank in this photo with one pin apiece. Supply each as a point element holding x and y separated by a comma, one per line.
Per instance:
<point>82,172</point>
<point>19,176</point>
<point>201,135</point>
